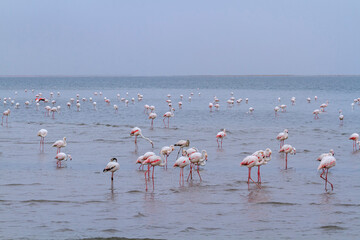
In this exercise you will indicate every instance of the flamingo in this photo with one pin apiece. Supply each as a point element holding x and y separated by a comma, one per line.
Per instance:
<point>112,167</point>
<point>251,110</point>
<point>53,110</point>
<point>327,163</point>
<point>42,134</point>
<point>61,157</point>
<point>293,100</point>
<point>165,152</point>
<point>250,162</point>
<point>287,148</point>
<point>276,109</point>
<point>220,135</point>
<point>168,115</point>
<point>180,105</point>
<point>330,153</point>
<point>137,132</point>
<point>341,117</point>
<point>355,138</point>
<point>308,100</point>
<point>315,98</point>
<point>190,151</point>
<point>152,161</point>
<point>59,144</point>
<point>182,144</point>
<point>282,137</point>
<point>152,116</point>
<point>116,108</point>
<point>211,106</point>
<point>316,112</point>
<point>142,158</point>
<point>6,114</point>
<point>260,154</point>
<point>182,162</point>
<point>146,108</point>
<point>197,158</point>
<point>283,107</point>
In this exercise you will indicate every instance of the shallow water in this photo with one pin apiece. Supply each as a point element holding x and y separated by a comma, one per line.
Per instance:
<point>40,201</point>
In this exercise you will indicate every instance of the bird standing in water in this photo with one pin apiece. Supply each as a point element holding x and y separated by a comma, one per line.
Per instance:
<point>42,134</point>
<point>112,167</point>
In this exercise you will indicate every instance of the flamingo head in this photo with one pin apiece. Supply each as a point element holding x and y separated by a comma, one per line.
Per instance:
<point>70,158</point>
<point>111,160</point>
<point>332,152</point>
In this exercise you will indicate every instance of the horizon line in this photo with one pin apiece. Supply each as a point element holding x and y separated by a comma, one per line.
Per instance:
<point>191,75</point>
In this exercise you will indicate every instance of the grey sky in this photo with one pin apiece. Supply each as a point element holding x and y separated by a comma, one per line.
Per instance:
<point>83,37</point>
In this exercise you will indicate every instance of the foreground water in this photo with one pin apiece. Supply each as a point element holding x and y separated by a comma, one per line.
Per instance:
<point>40,201</point>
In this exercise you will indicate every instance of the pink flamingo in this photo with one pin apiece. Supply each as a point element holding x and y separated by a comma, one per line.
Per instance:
<point>220,135</point>
<point>59,144</point>
<point>152,116</point>
<point>287,148</point>
<point>165,152</point>
<point>152,161</point>
<point>61,157</point>
<point>282,137</point>
<point>316,112</point>
<point>211,106</point>
<point>181,163</point>
<point>250,162</point>
<point>6,114</point>
<point>137,132</point>
<point>197,159</point>
<point>112,167</point>
<point>168,115</point>
<point>355,138</point>
<point>42,134</point>
<point>327,163</point>
<point>181,144</point>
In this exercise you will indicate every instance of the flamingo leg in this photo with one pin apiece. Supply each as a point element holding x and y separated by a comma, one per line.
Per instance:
<point>286,161</point>
<point>135,139</point>
<point>112,176</point>
<point>164,122</point>
<point>153,172</point>
<point>221,142</point>
<point>168,122</point>
<point>259,177</point>
<point>218,142</point>
<point>166,162</point>
<point>190,173</point>
<point>332,187</point>
<point>249,178</point>
<point>321,175</point>
<point>199,173</point>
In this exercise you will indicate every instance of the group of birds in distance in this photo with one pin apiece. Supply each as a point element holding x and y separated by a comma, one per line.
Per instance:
<point>189,156</point>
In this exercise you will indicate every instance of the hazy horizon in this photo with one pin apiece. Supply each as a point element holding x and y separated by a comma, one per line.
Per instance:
<point>179,38</point>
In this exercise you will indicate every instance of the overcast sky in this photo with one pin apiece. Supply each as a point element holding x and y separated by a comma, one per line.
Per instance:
<point>180,37</point>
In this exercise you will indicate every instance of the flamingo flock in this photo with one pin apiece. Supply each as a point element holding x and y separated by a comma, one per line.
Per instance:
<point>190,157</point>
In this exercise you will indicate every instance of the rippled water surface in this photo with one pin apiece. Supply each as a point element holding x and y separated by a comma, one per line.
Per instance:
<point>38,200</point>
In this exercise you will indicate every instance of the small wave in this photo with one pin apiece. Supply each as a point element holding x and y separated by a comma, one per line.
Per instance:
<point>20,184</point>
<point>93,201</point>
<point>188,229</point>
<point>44,201</point>
<point>347,204</point>
<point>134,191</point>
<point>231,190</point>
<point>110,230</point>
<point>332,227</point>
<point>278,203</point>
<point>139,214</point>
<point>64,230</point>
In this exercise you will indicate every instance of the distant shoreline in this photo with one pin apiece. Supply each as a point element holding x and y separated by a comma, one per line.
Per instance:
<point>246,75</point>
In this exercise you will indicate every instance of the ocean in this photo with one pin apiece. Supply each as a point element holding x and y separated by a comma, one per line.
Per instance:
<point>39,200</point>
